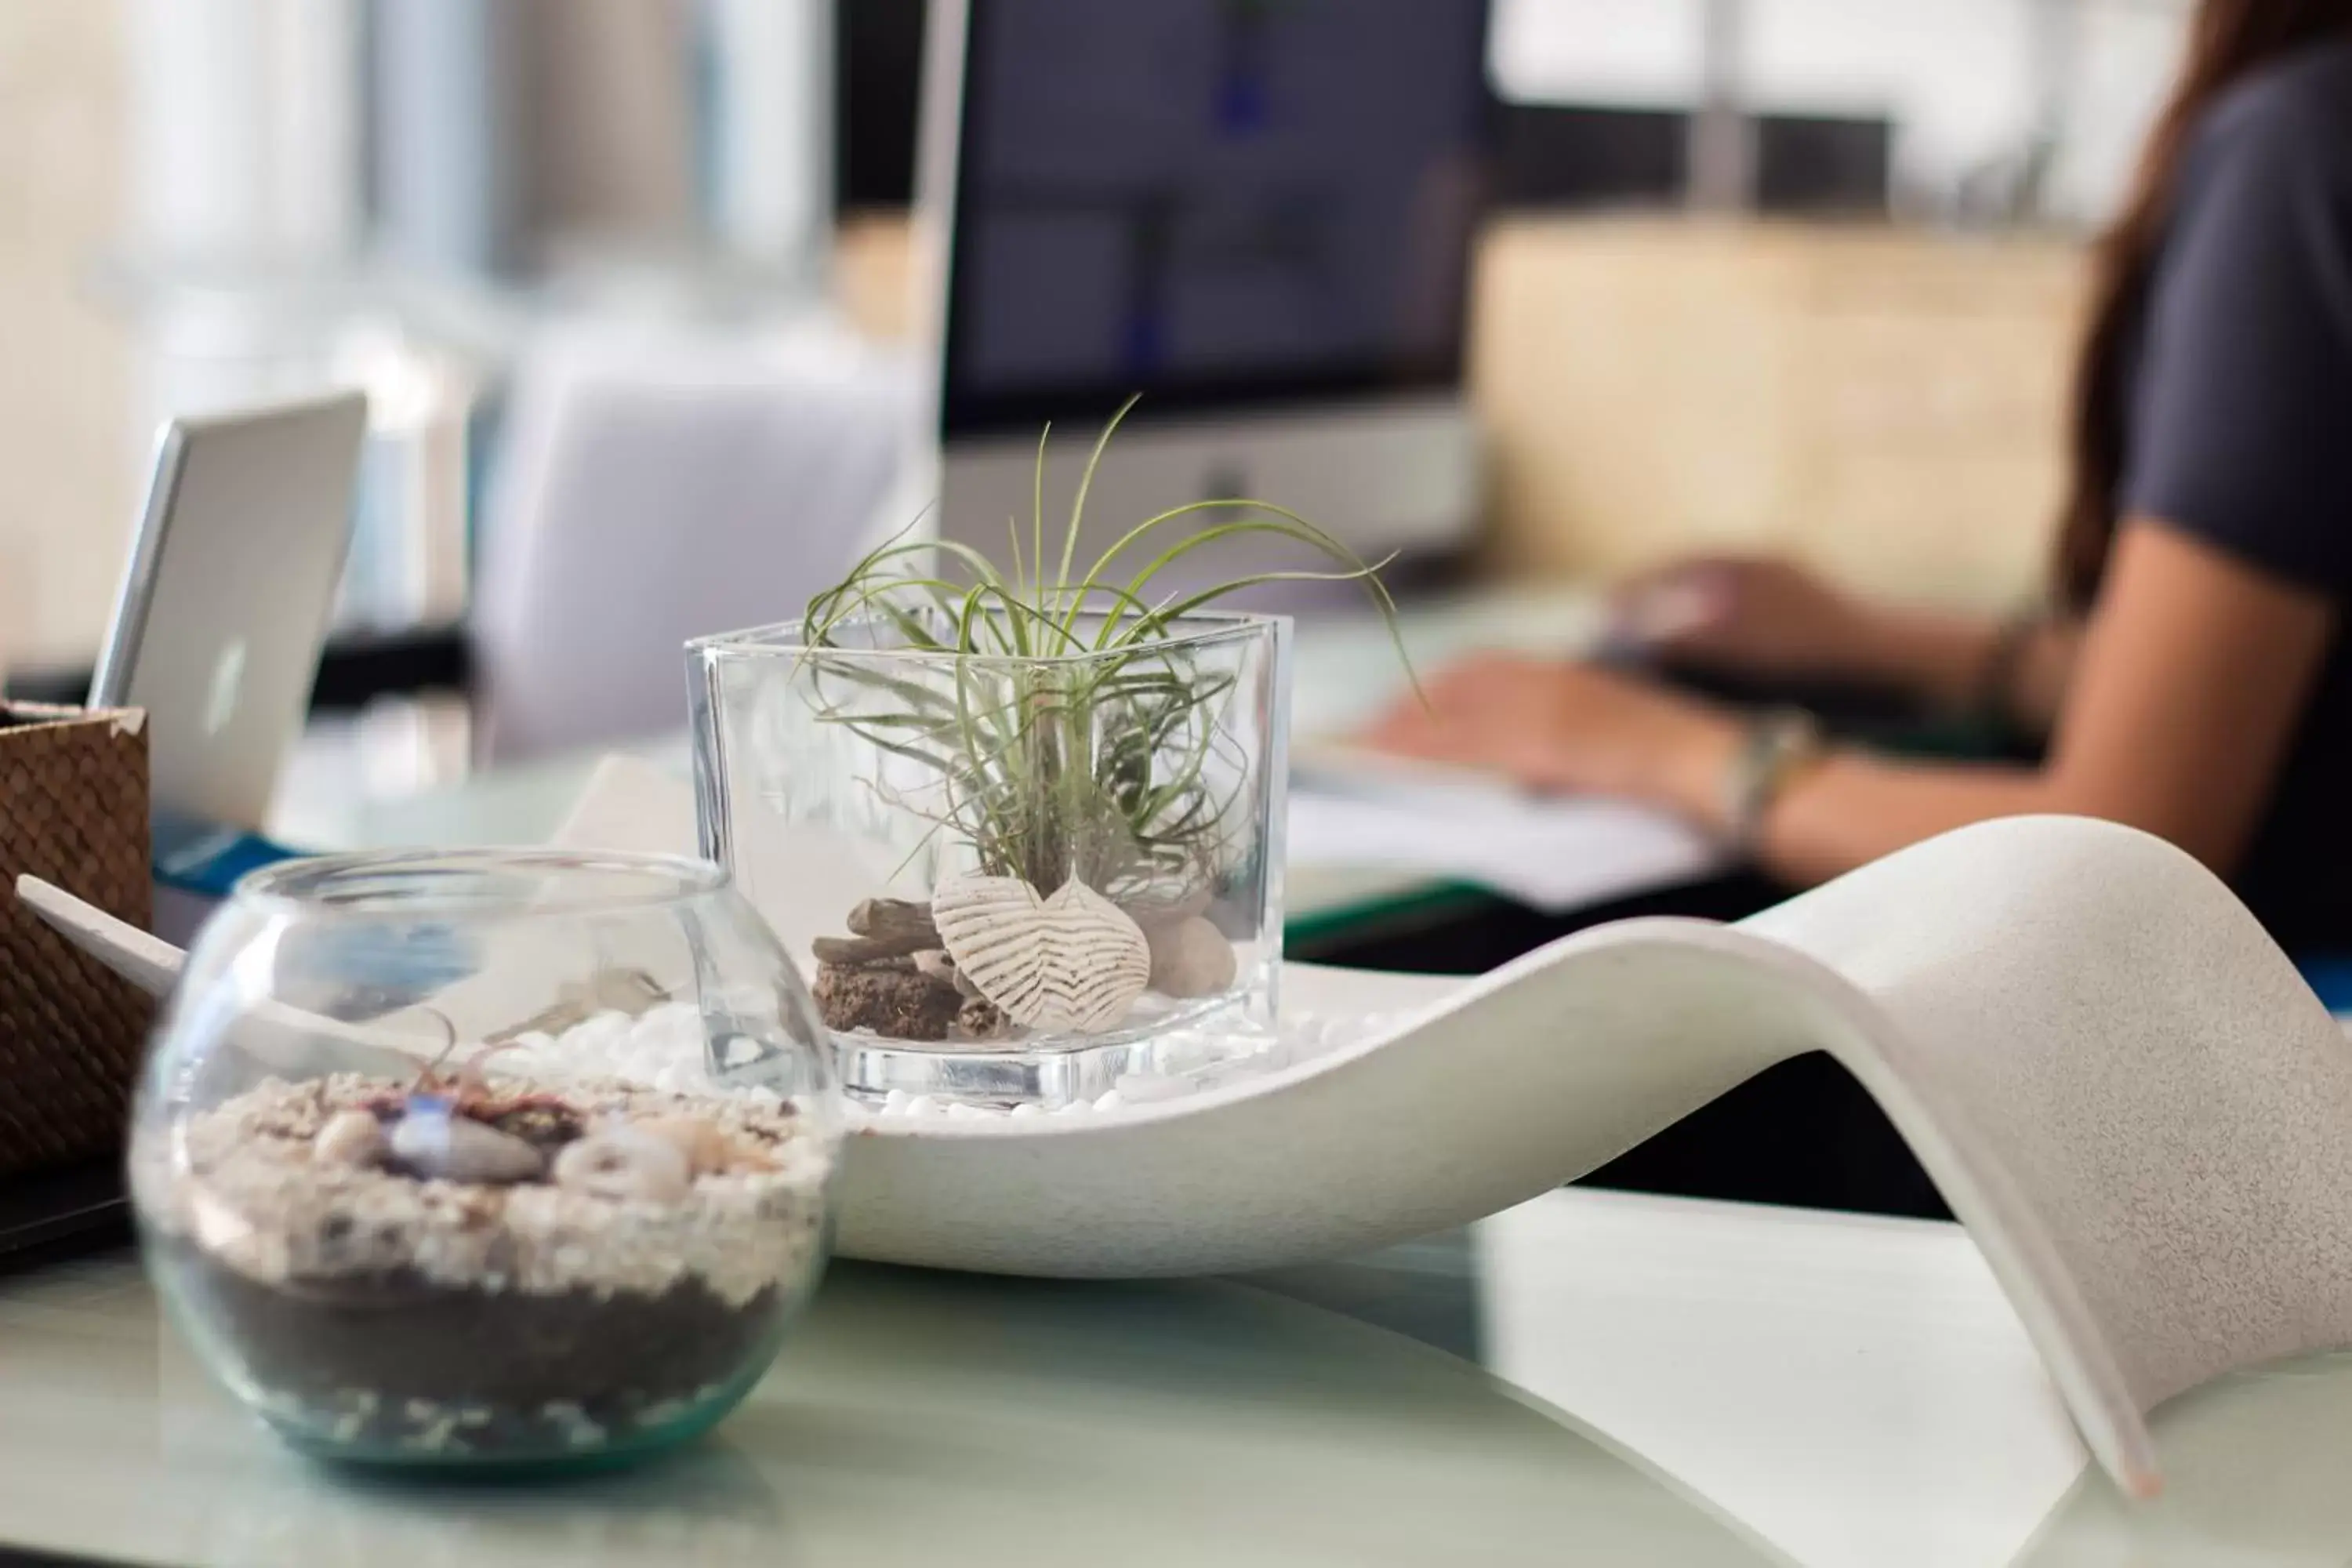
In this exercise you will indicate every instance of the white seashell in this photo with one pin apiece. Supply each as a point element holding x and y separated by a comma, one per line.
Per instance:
<point>1073,961</point>
<point>1190,958</point>
<point>625,1163</point>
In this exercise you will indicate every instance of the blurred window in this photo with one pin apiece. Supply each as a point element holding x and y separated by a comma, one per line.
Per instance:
<point>2031,108</point>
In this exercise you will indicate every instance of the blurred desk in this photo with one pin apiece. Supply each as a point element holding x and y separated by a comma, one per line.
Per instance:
<point>1589,1378</point>
<point>1802,1133</point>
<point>525,804</point>
<point>1345,671</point>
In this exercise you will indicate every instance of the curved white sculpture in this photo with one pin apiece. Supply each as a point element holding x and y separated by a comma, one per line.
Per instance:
<point>2118,1082</point>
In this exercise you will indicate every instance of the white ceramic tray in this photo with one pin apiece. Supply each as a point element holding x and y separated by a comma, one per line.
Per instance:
<point>2118,1081</point>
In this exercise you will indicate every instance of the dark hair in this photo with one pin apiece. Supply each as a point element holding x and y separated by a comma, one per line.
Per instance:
<point>2227,40</point>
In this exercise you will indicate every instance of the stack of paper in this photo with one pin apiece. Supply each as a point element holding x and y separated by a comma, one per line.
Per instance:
<point>1552,853</point>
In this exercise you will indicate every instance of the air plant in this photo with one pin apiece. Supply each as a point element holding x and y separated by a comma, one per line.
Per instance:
<point>1082,731</point>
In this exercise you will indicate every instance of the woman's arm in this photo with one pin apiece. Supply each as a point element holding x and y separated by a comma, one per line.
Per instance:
<point>1959,663</point>
<point>2193,673</point>
<point>1763,616</point>
<point>2192,676</point>
<point>2200,657</point>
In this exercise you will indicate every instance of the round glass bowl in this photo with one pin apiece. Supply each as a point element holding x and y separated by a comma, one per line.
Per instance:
<point>491,1158</point>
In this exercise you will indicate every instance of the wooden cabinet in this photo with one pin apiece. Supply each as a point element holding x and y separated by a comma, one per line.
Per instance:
<point>1890,406</point>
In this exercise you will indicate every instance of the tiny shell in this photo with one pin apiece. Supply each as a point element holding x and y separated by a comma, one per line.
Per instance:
<point>624,1163</point>
<point>1190,958</point>
<point>704,1146</point>
<point>353,1138</point>
<point>981,1018</point>
<point>1073,961</point>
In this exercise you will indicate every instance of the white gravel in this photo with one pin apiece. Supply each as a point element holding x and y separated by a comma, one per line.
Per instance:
<point>663,1049</point>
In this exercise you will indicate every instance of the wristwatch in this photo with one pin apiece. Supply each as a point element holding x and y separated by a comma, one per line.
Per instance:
<point>1781,744</point>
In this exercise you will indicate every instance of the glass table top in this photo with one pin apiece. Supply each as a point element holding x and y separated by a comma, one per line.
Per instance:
<point>1589,1378</point>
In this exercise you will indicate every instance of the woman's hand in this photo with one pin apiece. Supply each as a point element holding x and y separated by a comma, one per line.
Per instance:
<point>1747,616</point>
<point>1550,726</point>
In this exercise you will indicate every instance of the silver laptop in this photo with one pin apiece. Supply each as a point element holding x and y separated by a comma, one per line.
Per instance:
<point>226,599</point>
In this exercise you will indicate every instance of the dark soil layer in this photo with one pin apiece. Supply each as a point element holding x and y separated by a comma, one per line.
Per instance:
<point>426,1351</point>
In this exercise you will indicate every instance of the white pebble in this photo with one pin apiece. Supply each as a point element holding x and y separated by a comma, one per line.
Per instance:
<point>664,1048</point>
<point>667,1021</point>
<point>1027,1107</point>
<point>601,1035</point>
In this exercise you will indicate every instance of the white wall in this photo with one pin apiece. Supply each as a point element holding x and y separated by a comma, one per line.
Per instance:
<point>2129,54</point>
<point>67,503</point>
<point>1959,78</point>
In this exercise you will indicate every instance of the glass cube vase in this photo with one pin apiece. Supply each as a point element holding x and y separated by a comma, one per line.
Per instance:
<point>1014,880</point>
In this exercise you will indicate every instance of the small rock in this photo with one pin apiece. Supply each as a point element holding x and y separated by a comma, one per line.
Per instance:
<point>1190,958</point>
<point>982,1019</point>
<point>903,1006</point>
<point>438,1146</point>
<point>353,1138</point>
<point>627,1163</point>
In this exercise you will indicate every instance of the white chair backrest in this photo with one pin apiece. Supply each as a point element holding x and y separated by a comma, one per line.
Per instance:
<point>650,493</point>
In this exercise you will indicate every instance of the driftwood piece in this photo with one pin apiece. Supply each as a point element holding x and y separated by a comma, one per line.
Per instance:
<point>862,952</point>
<point>894,920</point>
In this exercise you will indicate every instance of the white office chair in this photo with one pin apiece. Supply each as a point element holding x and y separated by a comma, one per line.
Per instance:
<point>655,490</point>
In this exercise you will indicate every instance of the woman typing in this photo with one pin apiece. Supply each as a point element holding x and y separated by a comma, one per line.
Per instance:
<point>2192,676</point>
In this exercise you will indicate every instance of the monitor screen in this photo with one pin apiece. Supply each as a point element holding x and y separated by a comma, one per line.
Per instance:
<point>1216,204</point>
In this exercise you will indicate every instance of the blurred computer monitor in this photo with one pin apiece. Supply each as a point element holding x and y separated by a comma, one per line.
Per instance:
<point>1257,213</point>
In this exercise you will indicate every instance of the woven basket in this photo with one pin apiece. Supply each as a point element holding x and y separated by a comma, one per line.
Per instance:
<point>73,811</point>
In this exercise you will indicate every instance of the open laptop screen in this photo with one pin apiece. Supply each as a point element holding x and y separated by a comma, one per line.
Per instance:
<point>1215,203</point>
